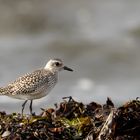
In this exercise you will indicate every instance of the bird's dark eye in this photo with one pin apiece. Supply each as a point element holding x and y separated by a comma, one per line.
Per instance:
<point>57,64</point>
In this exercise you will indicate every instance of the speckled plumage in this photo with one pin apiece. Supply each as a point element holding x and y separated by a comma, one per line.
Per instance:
<point>35,85</point>
<point>32,86</point>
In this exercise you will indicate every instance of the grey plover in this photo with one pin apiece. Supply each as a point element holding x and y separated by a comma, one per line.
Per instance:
<point>35,85</point>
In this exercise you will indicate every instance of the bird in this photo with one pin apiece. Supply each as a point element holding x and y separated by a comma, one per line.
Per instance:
<point>36,84</point>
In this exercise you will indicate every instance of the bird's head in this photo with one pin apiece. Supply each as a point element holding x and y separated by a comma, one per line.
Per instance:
<point>56,65</point>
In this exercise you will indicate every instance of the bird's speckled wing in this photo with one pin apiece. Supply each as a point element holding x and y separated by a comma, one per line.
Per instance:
<point>29,83</point>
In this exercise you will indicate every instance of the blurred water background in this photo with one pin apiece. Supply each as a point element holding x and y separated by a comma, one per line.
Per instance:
<point>98,39</point>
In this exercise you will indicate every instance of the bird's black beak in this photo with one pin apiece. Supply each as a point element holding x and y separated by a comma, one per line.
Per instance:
<point>68,69</point>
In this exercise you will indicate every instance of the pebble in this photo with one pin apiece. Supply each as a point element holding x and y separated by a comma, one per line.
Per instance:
<point>6,133</point>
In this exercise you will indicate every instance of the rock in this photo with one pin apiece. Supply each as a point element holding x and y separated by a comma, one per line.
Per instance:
<point>6,133</point>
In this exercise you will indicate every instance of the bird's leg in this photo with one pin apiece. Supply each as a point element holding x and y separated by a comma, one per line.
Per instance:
<point>31,109</point>
<point>23,106</point>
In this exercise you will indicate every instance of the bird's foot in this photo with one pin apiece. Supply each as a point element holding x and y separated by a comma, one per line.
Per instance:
<point>33,114</point>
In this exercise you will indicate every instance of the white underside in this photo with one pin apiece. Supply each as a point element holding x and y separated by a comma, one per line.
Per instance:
<point>31,96</point>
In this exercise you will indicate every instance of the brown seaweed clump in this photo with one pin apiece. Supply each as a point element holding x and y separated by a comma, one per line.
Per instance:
<point>72,120</point>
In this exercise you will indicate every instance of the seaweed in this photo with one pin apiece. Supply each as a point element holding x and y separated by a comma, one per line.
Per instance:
<point>76,121</point>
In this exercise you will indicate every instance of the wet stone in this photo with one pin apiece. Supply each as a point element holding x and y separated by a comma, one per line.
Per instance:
<point>5,134</point>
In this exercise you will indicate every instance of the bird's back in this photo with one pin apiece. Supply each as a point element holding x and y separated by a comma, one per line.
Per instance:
<point>32,85</point>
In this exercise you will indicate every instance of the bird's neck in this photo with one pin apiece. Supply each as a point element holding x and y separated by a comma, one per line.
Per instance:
<point>52,70</point>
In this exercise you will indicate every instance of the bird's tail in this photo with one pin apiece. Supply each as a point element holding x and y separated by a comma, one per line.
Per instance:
<point>2,91</point>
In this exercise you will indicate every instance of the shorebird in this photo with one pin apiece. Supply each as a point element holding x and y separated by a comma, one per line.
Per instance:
<point>35,85</point>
